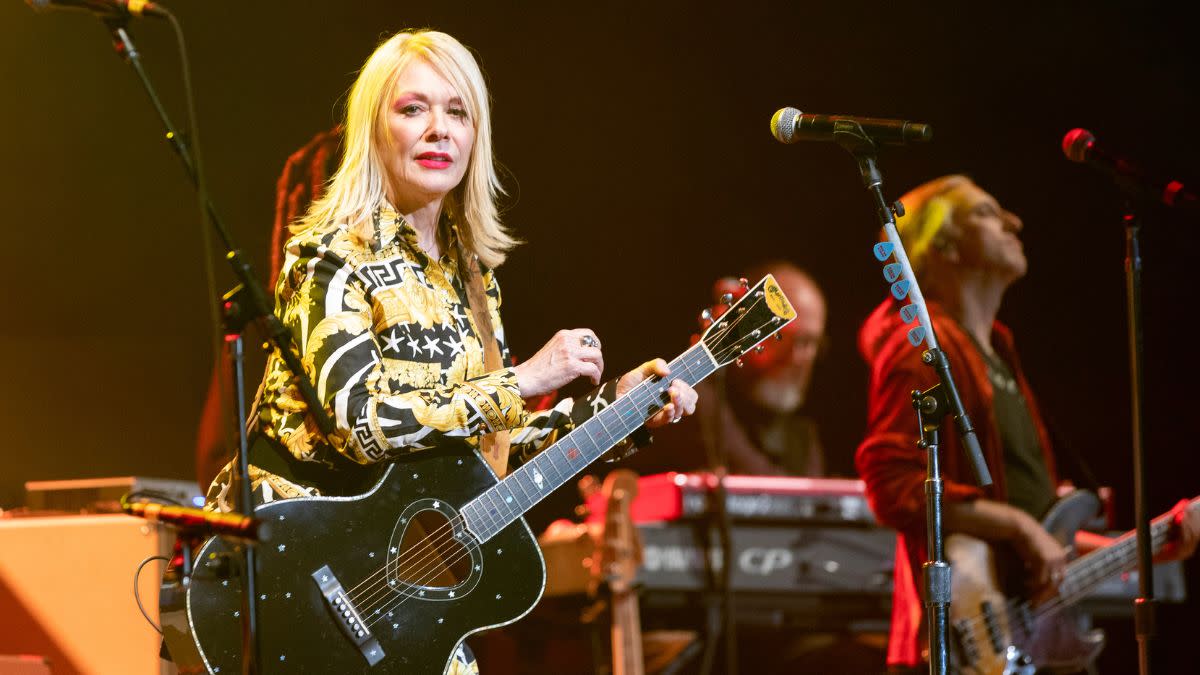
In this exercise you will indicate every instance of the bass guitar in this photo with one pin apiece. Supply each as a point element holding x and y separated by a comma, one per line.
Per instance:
<point>996,635</point>
<point>392,580</point>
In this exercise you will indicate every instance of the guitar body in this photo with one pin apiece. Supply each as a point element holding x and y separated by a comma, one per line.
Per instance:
<point>991,635</point>
<point>417,622</point>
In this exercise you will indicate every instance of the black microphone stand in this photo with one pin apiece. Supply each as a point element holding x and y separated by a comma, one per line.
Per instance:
<point>720,623</point>
<point>1144,605</point>
<point>930,406</point>
<point>245,303</point>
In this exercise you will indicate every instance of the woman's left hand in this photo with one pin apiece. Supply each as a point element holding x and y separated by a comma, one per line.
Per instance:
<point>683,397</point>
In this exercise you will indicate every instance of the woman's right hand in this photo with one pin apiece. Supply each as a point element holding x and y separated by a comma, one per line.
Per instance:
<point>568,355</point>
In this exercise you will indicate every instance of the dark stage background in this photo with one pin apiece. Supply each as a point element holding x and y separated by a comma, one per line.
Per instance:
<point>635,146</point>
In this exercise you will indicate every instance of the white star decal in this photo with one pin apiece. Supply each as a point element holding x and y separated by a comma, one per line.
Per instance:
<point>455,346</point>
<point>393,342</point>
<point>431,344</point>
<point>460,318</point>
<point>414,346</point>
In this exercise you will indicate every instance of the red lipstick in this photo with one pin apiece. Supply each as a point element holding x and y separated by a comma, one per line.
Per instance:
<point>434,160</point>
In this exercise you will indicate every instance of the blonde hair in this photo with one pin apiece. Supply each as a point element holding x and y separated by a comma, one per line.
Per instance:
<point>359,186</point>
<point>927,212</point>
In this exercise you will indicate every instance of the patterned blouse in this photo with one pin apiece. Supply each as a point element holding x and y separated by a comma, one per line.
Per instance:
<point>387,335</point>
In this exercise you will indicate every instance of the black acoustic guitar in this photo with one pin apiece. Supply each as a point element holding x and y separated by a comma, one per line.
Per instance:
<point>392,580</point>
<point>998,635</point>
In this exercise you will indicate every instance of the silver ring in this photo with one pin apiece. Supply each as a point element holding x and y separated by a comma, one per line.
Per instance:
<point>676,420</point>
<point>588,341</point>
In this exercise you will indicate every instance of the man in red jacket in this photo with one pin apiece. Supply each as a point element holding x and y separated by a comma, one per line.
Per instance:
<point>965,250</point>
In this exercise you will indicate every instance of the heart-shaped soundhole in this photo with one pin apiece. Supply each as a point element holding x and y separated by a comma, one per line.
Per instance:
<point>429,555</point>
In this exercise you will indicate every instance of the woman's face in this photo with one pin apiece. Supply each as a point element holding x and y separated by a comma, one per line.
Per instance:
<point>430,135</point>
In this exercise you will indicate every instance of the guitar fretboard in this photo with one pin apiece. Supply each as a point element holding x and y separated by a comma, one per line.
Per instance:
<point>1091,570</point>
<point>500,505</point>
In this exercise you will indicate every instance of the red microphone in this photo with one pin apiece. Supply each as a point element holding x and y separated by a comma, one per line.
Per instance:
<point>1079,145</point>
<point>199,521</point>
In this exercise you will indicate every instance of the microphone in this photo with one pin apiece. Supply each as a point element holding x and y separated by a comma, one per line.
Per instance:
<point>103,8</point>
<point>1079,145</point>
<point>789,125</point>
<point>199,521</point>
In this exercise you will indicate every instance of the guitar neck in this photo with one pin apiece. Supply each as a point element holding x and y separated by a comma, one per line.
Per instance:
<point>626,634</point>
<point>505,502</point>
<point>1120,556</point>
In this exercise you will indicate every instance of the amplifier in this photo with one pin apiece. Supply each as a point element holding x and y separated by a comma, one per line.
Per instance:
<point>102,495</point>
<point>66,592</point>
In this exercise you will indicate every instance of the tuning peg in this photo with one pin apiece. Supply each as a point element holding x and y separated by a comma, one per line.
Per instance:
<point>758,349</point>
<point>739,363</point>
<point>706,314</point>
<point>744,282</point>
<point>726,298</point>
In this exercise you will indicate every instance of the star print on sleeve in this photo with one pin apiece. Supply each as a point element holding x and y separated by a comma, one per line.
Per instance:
<point>414,345</point>
<point>431,344</point>
<point>393,341</point>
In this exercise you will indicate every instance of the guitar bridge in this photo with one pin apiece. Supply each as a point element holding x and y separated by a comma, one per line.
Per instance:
<point>346,616</point>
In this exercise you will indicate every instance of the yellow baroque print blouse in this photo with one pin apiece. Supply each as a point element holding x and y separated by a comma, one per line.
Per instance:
<point>387,336</point>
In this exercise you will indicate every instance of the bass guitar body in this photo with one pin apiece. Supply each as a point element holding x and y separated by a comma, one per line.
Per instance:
<point>996,632</point>
<point>390,581</point>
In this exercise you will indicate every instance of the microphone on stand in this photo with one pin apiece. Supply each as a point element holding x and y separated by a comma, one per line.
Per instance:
<point>199,521</point>
<point>789,125</point>
<point>102,8</point>
<point>1079,145</point>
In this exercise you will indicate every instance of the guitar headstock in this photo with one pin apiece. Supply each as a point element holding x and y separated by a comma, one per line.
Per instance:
<point>757,315</point>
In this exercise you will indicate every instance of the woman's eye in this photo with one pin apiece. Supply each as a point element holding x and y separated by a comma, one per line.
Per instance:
<point>410,109</point>
<point>459,112</point>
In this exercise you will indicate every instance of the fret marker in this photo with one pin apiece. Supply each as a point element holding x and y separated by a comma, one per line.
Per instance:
<point>537,478</point>
<point>573,454</point>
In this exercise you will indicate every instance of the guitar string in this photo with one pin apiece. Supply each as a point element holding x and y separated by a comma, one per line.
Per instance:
<point>442,531</point>
<point>644,395</point>
<point>1090,581</point>
<point>640,396</point>
<point>434,549</point>
<point>378,611</point>
<point>436,546</point>
<point>405,596</point>
<point>1015,605</point>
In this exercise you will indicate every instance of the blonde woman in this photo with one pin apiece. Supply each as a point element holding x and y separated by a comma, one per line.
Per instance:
<point>376,285</point>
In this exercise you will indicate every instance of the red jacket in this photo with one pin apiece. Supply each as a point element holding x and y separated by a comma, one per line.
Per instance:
<point>892,466</point>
